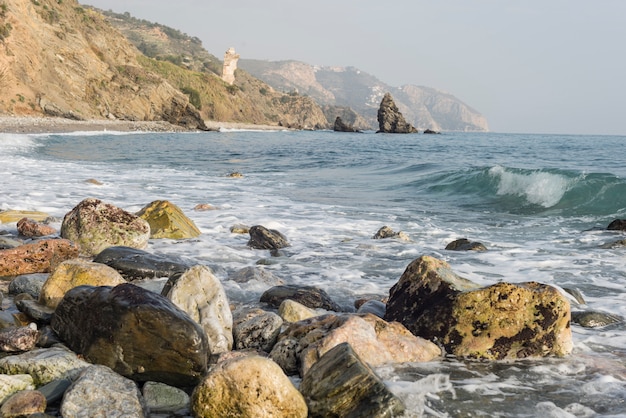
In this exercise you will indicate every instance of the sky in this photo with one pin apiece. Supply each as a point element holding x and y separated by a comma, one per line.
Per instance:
<point>529,66</point>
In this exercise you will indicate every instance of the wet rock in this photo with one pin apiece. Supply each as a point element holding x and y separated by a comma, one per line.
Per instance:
<point>18,339</point>
<point>94,225</point>
<point>163,398</point>
<point>8,242</point>
<point>30,228</point>
<point>202,207</point>
<point>73,273</point>
<point>595,319</point>
<point>23,404</point>
<point>256,273</point>
<point>36,311</point>
<point>376,341</point>
<point>341,126</point>
<point>9,216</point>
<point>240,229</point>
<point>502,321</point>
<point>135,264</point>
<point>256,328</point>
<point>375,307</point>
<point>309,296</point>
<point>390,120</point>
<point>262,238</point>
<point>37,257</point>
<point>576,294</point>
<point>137,333</point>
<point>53,391</point>
<point>47,337</point>
<point>10,384</point>
<point>292,311</point>
<point>44,364</point>
<point>168,221</point>
<point>387,232</point>
<point>617,225</point>
<point>286,353</point>
<point>201,295</point>
<point>99,392</point>
<point>28,283</point>
<point>463,244</point>
<point>340,384</point>
<point>431,132</point>
<point>250,386</point>
<point>614,244</point>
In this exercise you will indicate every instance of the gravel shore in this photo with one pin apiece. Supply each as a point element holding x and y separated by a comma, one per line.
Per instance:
<point>38,124</point>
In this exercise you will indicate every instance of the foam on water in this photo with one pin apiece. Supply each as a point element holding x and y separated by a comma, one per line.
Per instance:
<point>330,219</point>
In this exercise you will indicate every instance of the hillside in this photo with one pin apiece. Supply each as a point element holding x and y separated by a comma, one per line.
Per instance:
<point>423,107</point>
<point>183,61</point>
<point>60,59</point>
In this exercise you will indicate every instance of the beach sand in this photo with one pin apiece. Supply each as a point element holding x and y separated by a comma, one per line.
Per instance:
<point>39,124</point>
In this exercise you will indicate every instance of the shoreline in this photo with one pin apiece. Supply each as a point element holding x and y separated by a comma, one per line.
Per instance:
<point>46,124</point>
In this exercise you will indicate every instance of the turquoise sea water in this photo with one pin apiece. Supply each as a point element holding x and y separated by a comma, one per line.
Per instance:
<point>540,203</point>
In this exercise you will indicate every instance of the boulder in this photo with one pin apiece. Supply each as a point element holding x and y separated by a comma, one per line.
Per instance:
<point>36,311</point>
<point>309,296</point>
<point>7,242</point>
<point>617,225</point>
<point>11,215</point>
<point>340,384</point>
<point>262,238</point>
<point>94,225</point>
<point>247,387</point>
<point>168,221</point>
<point>386,232</point>
<point>73,273</point>
<point>201,295</point>
<point>37,257</point>
<point>18,339</point>
<point>30,228</point>
<point>135,264</point>
<point>30,284</point>
<point>375,307</point>
<point>162,398</point>
<point>100,392</point>
<point>240,229</point>
<point>431,132</point>
<point>376,341</point>
<point>390,120</point>
<point>341,126</point>
<point>595,319</point>
<point>502,321</point>
<point>256,329</point>
<point>24,404</point>
<point>292,311</point>
<point>463,244</point>
<point>54,391</point>
<point>256,273</point>
<point>137,333</point>
<point>10,384</point>
<point>44,364</point>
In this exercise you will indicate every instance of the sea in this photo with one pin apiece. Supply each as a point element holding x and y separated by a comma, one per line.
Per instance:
<point>539,203</point>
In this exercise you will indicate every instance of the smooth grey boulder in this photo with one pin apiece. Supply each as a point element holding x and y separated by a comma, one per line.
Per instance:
<point>137,333</point>
<point>374,307</point>
<point>309,296</point>
<point>199,293</point>
<point>160,397</point>
<point>340,384</point>
<point>44,364</point>
<point>255,273</point>
<point>100,392</point>
<point>28,283</point>
<point>594,319</point>
<point>136,264</point>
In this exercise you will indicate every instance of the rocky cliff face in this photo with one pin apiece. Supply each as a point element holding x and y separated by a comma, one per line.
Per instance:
<point>64,60</point>
<point>423,107</point>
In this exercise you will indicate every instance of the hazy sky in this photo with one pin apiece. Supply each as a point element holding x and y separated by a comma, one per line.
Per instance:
<point>543,66</point>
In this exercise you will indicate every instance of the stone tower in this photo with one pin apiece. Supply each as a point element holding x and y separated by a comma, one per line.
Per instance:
<point>230,65</point>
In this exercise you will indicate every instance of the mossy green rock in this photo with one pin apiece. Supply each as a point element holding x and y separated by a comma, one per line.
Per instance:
<point>9,216</point>
<point>168,221</point>
<point>502,321</point>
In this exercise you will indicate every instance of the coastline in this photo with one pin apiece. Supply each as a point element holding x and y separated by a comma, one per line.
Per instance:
<point>46,124</point>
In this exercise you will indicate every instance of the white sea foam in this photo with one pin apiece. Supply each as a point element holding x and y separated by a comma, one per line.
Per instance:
<point>538,187</point>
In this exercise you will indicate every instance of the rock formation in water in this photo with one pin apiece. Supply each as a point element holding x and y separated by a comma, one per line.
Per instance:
<point>390,120</point>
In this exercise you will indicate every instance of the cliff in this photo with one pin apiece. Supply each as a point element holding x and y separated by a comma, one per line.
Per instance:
<point>348,87</point>
<point>60,59</point>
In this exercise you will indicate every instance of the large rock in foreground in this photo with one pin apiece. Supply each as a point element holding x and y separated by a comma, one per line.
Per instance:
<point>502,321</point>
<point>390,120</point>
<point>94,225</point>
<point>37,257</point>
<point>168,221</point>
<point>247,387</point>
<point>137,333</point>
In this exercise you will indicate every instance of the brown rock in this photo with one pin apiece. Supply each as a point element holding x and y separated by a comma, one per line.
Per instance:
<point>463,244</point>
<point>18,339</point>
<point>31,228</point>
<point>390,120</point>
<point>23,404</point>
<point>38,257</point>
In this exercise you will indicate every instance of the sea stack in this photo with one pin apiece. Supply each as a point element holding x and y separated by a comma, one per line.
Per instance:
<point>390,120</point>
